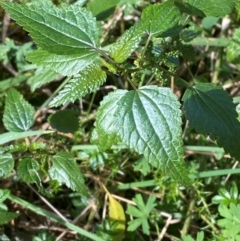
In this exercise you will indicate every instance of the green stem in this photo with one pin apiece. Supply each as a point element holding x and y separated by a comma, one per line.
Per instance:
<point>131,83</point>
<point>187,222</point>
<point>46,103</point>
<point>209,223</point>
<point>178,79</point>
<point>91,102</point>
<point>105,55</point>
<point>150,183</point>
<point>144,50</point>
<point>217,67</point>
<point>53,217</point>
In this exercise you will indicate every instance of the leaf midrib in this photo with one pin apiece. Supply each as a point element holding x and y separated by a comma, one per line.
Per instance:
<point>56,30</point>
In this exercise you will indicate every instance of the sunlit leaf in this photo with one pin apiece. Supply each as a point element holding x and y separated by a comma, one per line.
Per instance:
<point>141,213</point>
<point>116,214</point>
<point>18,113</point>
<point>11,136</point>
<point>61,30</point>
<point>41,76</point>
<point>65,170</point>
<point>158,18</point>
<point>127,43</point>
<point>88,81</point>
<point>28,171</point>
<point>68,65</point>
<point>105,132</point>
<point>6,164</point>
<point>149,121</point>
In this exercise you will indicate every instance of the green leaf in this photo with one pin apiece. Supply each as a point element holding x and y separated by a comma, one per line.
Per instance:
<point>41,76</point>
<point>105,135</point>
<point>6,164</point>
<point>147,120</point>
<point>127,43</point>
<point>116,214</point>
<point>189,9</point>
<point>230,224</point>
<point>200,237</point>
<point>158,18</point>
<point>210,111</point>
<point>18,113</point>
<point>142,165</point>
<point>28,171</point>
<point>187,238</point>
<point>65,121</point>
<point>7,216</point>
<point>209,22</point>
<point>216,8</point>
<point>11,136</point>
<point>7,83</point>
<point>4,194</point>
<point>141,213</point>
<point>102,9</point>
<point>234,191</point>
<point>59,30</point>
<point>65,170</point>
<point>63,64</point>
<point>233,48</point>
<point>88,81</point>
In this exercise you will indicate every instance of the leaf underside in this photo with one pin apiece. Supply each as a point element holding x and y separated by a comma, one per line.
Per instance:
<point>68,65</point>
<point>41,76</point>
<point>210,111</point>
<point>149,121</point>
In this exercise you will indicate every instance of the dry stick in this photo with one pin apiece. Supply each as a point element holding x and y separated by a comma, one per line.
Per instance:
<point>76,220</point>
<point>48,204</point>
<point>29,226</point>
<point>172,83</point>
<point>169,221</point>
<point>6,22</point>
<point>228,176</point>
<point>112,22</point>
<point>164,230</point>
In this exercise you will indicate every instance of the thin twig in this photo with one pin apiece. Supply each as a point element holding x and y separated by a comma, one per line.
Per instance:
<point>48,204</point>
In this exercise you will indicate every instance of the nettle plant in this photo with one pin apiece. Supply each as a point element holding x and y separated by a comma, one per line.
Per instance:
<point>147,118</point>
